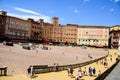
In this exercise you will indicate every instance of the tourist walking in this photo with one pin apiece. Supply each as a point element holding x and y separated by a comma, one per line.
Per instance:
<point>79,69</point>
<point>85,72</point>
<point>77,77</point>
<point>54,67</point>
<point>31,71</point>
<point>90,71</point>
<point>68,71</point>
<point>71,72</point>
<point>57,66</point>
<point>99,73</point>
<point>94,71</point>
<point>110,57</point>
<point>28,70</point>
<point>80,73</point>
<point>101,61</point>
<point>104,63</point>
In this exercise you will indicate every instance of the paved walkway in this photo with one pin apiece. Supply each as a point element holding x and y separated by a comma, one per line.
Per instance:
<point>115,74</point>
<point>62,75</point>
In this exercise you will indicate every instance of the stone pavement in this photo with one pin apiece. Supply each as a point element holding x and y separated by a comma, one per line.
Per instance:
<point>18,59</point>
<point>62,75</point>
<point>115,74</point>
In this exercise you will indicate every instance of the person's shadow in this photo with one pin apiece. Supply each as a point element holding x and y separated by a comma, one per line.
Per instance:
<point>34,76</point>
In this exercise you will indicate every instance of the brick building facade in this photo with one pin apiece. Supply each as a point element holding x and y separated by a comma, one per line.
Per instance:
<point>35,30</point>
<point>57,33</point>
<point>16,29</point>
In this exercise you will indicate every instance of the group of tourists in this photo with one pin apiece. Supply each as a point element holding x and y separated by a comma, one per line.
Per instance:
<point>84,72</point>
<point>56,67</point>
<point>104,62</point>
<point>80,72</point>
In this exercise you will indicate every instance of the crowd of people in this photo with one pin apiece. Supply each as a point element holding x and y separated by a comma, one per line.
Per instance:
<point>89,71</point>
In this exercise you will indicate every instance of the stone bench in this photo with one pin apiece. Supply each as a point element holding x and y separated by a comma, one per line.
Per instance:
<point>3,71</point>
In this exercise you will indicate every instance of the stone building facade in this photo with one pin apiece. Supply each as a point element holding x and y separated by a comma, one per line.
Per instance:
<point>114,36</point>
<point>93,36</point>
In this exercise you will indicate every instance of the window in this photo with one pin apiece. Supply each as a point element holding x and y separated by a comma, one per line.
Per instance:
<point>21,26</point>
<point>12,22</point>
<point>17,25</point>
<point>18,34</point>
<point>24,26</point>
<point>15,33</point>
<point>24,34</point>
<point>7,21</point>
<point>10,33</point>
